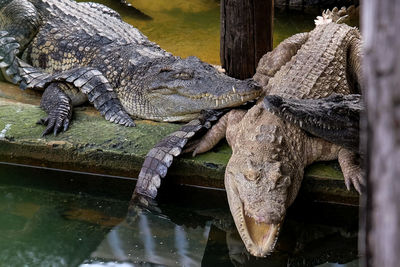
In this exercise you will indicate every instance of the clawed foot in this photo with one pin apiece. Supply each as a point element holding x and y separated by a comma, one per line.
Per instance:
<point>57,121</point>
<point>352,172</point>
<point>354,177</point>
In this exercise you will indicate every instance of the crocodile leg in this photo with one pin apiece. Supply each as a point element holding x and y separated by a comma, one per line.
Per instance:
<point>160,157</point>
<point>210,139</point>
<point>59,108</point>
<point>272,61</point>
<point>216,133</point>
<point>350,165</point>
<point>89,81</point>
<point>321,150</point>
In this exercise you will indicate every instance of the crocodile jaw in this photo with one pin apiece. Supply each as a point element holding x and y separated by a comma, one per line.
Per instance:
<point>262,236</point>
<point>182,107</point>
<point>258,237</point>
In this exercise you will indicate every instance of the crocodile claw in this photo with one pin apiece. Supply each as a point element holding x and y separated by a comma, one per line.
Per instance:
<point>352,171</point>
<point>57,121</point>
<point>354,178</point>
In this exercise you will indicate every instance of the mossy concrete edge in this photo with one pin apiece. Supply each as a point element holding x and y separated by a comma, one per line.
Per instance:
<point>94,145</point>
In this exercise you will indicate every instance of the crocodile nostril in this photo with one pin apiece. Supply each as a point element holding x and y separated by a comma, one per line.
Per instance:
<point>252,175</point>
<point>253,84</point>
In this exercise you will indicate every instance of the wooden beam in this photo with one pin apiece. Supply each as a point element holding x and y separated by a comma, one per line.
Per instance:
<point>246,35</point>
<point>380,240</point>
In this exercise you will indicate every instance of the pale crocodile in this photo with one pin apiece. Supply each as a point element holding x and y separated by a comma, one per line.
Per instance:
<point>269,155</point>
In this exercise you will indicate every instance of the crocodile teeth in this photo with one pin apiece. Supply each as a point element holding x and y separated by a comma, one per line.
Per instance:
<point>216,103</point>
<point>233,89</point>
<point>301,123</point>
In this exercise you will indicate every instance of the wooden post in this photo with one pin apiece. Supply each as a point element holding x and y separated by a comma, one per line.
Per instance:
<point>246,35</point>
<point>380,238</point>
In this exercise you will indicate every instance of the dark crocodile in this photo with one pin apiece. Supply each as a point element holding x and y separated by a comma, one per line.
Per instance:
<point>335,118</point>
<point>269,155</point>
<point>78,51</point>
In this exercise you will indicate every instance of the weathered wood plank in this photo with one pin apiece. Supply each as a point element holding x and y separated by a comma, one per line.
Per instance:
<point>381,21</point>
<point>246,35</point>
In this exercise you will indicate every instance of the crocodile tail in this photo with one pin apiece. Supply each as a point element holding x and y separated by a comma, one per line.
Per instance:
<point>30,76</point>
<point>20,19</point>
<point>14,69</point>
<point>8,59</point>
<point>160,157</point>
<point>343,15</point>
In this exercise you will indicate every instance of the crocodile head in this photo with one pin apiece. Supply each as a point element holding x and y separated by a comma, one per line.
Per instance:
<point>262,179</point>
<point>175,89</point>
<point>334,118</point>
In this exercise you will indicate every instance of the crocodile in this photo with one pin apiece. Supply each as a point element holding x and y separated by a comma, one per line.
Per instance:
<point>84,51</point>
<point>265,171</point>
<point>335,118</point>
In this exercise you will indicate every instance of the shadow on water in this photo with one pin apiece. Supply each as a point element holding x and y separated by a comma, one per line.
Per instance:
<point>49,217</point>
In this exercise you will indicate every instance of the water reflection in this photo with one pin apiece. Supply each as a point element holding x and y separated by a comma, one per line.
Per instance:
<point>42,227</point>
<point>153,239</point>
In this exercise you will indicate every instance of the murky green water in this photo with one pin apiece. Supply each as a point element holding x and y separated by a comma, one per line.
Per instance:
<point>50,218</point>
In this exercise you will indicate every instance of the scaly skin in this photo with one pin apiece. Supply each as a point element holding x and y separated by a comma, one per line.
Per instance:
<point>89,49</point>
<point>160,157</point>
<point>269,155</point>
<point>335,118</point>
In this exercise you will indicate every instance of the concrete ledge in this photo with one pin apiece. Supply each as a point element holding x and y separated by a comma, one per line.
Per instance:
<point>96,146</point>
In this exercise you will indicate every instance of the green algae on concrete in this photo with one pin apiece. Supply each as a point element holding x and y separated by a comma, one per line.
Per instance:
<point>91,144</point>
<point>95,145</point>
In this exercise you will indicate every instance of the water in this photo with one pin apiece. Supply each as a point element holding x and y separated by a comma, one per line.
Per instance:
<point>51,218</point>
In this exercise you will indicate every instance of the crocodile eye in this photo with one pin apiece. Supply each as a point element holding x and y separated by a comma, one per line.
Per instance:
<point>165,70</point>
<point>252,175</point>
<point>183,76</point>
